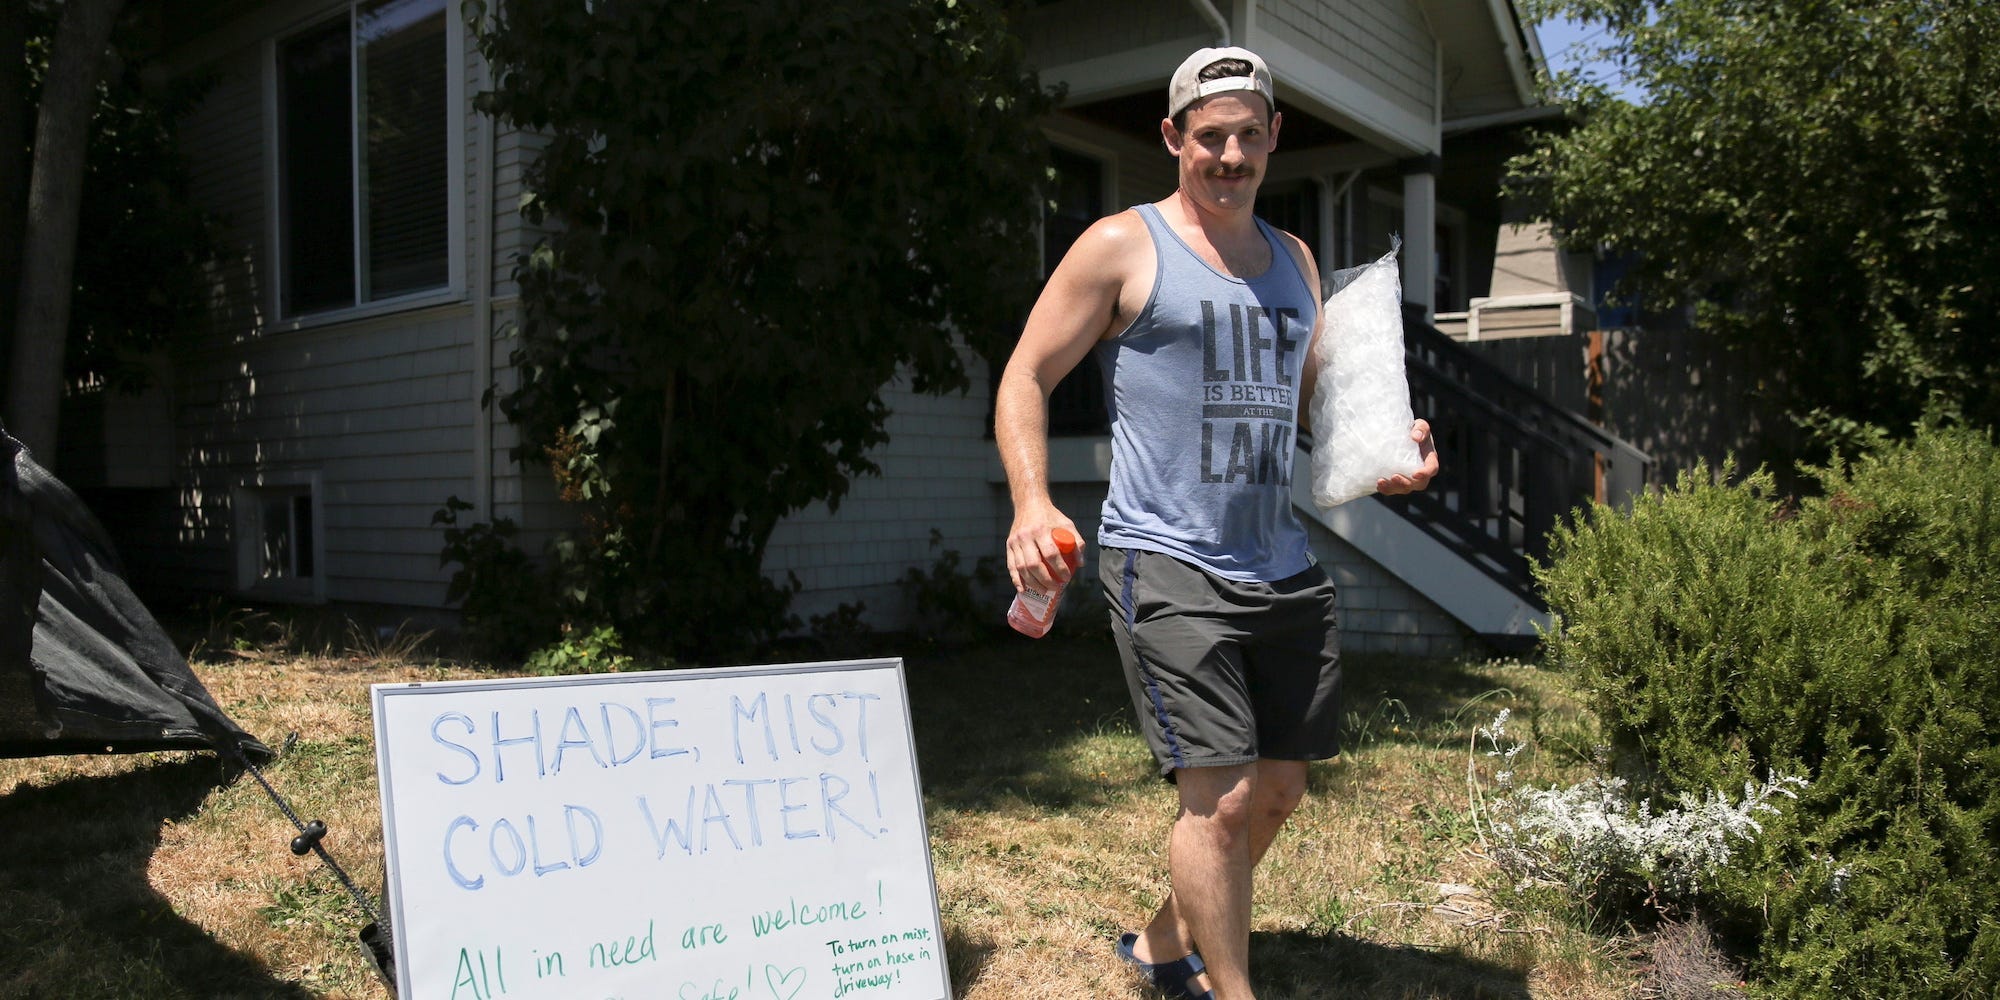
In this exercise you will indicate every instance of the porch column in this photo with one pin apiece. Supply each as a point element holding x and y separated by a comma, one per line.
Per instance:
<point>1420,233</point>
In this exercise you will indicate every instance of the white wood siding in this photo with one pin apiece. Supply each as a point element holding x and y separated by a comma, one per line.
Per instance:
<point>379,411</point>
<point>1369,66</point>
<point>934,475</point>
<point>514,149</point>
<point>225,139</point>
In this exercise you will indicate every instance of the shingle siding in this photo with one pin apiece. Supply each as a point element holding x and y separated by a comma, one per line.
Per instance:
<point>1382,42</point>
<point>934,476</point>
<point>1379,613</point>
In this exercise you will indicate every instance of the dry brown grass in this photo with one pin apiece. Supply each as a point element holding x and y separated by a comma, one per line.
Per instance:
<point>1687,963</point>
<point>1049,842</point>
<point>137,877</point>
<point>142,878</point>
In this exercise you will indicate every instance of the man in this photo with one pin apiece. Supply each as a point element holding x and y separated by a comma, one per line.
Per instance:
<point>1202,317</point>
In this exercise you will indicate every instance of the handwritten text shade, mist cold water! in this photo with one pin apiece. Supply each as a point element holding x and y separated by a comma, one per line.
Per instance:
<point>694,818</point>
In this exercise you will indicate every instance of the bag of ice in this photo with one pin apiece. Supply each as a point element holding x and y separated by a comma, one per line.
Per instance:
<point>1361,403</point>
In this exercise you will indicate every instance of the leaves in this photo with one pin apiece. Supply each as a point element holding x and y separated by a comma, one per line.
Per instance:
<point>143,245</point>
<point>758,215</point>
<point>1848,638</point>
<point>1817,176</point>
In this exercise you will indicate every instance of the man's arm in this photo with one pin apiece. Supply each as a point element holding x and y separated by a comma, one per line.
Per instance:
<point>1076,309</point>
<point>1309,368</point>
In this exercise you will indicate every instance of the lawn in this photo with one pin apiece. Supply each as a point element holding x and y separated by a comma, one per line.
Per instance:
<point>138,877</point>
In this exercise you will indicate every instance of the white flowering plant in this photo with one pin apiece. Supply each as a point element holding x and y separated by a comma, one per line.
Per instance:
<point>1593,838</point>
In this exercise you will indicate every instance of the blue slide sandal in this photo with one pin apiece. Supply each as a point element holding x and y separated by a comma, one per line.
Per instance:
<point>1175,978</point>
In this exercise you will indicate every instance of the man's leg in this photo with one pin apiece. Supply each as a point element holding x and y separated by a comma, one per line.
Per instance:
<point>1222,823</point>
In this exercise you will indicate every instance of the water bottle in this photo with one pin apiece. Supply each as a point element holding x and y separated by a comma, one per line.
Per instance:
<point>1034,611</point>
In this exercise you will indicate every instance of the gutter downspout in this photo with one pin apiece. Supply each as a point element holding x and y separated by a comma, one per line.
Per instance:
<point>1206,8</point>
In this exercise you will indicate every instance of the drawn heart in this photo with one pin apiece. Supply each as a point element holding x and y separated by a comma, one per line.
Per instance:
<point>782,987</point>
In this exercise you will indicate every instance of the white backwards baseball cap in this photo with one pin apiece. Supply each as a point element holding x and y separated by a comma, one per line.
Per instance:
<point>1187,86</point>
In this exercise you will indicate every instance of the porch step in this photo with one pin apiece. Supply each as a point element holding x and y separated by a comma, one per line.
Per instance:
<point>1443,574</point>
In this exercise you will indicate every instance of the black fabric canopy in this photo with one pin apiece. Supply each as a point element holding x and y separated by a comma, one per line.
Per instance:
<point>84,667</point>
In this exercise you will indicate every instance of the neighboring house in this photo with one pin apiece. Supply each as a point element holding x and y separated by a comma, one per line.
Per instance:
<point>299,453</point>
<point>1556,322</point>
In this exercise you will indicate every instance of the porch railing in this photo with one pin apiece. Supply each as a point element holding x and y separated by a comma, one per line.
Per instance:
<point>1511,464</point>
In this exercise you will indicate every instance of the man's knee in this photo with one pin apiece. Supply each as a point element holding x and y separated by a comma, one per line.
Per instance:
<point>1281,786</point>
<point>1226,796</point>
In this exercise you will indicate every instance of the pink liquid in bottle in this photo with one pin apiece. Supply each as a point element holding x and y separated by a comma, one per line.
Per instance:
<point>1033,611</point>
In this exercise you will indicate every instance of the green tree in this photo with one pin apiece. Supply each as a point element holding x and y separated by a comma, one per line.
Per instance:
<point>759,213</point>
<point>100,249</point>
<point>50,200</point>
<point>1816,176</point>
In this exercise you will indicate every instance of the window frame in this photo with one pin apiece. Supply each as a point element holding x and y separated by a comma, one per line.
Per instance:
<point>1451,240</point>
<point>454,289</point>
<point>1107,165</point>
<point>248,500</point>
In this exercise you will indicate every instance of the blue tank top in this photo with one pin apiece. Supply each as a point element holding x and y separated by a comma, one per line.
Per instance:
<point>1203,390</point>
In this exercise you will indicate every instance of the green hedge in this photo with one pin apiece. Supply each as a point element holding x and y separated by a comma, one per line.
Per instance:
<point>1853,639</point>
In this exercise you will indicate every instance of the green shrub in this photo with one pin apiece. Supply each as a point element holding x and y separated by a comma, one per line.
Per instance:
<point>503,597</point>
<point>1851,639</point>
<point>581,651</point>
<point>954,605</point>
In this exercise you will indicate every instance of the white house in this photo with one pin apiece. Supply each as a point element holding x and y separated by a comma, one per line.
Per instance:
<point>299,453</point>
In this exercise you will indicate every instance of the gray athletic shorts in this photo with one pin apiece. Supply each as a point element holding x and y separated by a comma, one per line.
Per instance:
<point>1224,672</point>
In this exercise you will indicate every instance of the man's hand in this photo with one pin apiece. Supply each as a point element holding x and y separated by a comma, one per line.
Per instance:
<point>1420,432</point>
<point>1033,561</point>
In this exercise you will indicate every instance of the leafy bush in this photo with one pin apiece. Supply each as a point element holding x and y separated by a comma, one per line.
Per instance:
<point>707,327</point>
<point>1613,852</point>
<point>841,633</point>
<point>503,596</point>
<point>581,651</point>
<point>953,605</point>
<point>1850,639</point>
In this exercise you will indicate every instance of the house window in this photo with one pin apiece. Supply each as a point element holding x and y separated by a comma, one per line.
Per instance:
<point>364,199</point>
<point>1076,407</point>
<point>1617,307</point>
<point>286,545</point>
<point>1379,215</point>
<point>1294,208</point>
<point>277,541</point>
<point>1445,295</point>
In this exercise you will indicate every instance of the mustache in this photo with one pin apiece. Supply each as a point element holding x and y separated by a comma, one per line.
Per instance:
<point>1233,172</point>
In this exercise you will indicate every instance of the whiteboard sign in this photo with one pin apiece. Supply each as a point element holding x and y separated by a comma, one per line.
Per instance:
<point>745,833</point>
